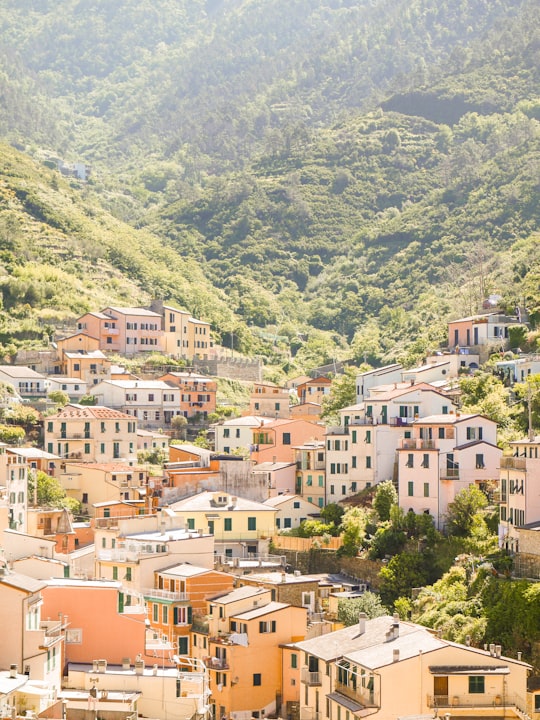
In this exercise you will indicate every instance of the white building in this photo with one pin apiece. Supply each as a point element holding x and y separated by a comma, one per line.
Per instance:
<point>154,403</point>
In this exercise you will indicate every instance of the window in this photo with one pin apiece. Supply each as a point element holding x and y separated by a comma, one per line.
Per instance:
<point>410,488</point>
<point>426,489</point>
<point>476,684</point>
<point>128,573</point>
<point>353,436</point>
<point>227,524</point>
<point>257,679</point>
<point>368,461</point>
<point>410,460</point>
<point>287,522</point>
<point>252,523</point>
<point>294,662</point>
<point>226,432</point>
<point>87,448</point>
<point>191,523</point>
<point>115,573</point>
<point>425,461</point>
<point>480,461</point>
<point>183,645</point>
<point>268,626</point>
<point>286,438</point>
<point>296,504</point>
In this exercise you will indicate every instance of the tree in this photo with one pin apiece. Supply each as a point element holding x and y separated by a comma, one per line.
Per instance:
<point>462,513</point>
<point>12,434</point>
<point>46,490</point>
<point>353,525</point>
<point>385,497</point>
<point>342,394</point>
<point>58,397</point>
<point>332,515</point>
<point>180,423</point>
<point>403,572</point>
<point>350,609</point>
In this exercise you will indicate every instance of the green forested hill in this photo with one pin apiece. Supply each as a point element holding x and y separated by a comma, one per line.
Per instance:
<point>334,173</point>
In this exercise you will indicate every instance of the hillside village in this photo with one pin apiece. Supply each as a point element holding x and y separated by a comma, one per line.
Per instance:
<point>172,594</point>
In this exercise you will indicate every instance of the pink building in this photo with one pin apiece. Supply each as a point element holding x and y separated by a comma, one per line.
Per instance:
<point>446,454</point>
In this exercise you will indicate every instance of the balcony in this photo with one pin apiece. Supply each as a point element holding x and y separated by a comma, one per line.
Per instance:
<point>311,678</point>
<point>481,700</point>
<point>513,463</point>
<point>68,435</point>
<point>165,594</point>
<point>450,474</point>
<point>216,663</point>
<point>52,632</point>
<point>362,695</point>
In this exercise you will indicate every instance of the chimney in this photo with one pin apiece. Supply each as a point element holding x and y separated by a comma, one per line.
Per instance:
<point>126,663</point>
<point>395,655</point>
<point>492,649</point>
<point>467,640</point>
<point>498,650</point>
<point>519,656</point>
<point>362,617</point>
<point>13,670</point>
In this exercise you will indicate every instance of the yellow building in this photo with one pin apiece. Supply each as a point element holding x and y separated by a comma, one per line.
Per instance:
<point>241,647</point>
<point>92,434</point>
<point>241,528</point>
<point>92,483</point>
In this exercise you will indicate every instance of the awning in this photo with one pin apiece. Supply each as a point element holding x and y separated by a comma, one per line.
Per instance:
<point>469,669</point>
<point>345,702</point>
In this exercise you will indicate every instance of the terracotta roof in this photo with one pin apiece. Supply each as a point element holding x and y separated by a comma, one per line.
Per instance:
<point>100,412</point>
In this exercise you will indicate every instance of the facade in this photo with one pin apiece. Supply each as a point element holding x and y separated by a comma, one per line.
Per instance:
<point>72,386</point>
<point>292,510</point>
<point>91,483</point>
<point>153,402</point>
<point>197,393</point>
<point>92,434</point>
<point>240,527</point>
<point>387,668</point>
<point>14,477</point>
<point>27,382</point>
<point>277,440</point>
<point>33,645</point>
<point>180,593</point>
<point>269,400</point>
<point>446,454</point>
<point>183,335</point>
<point>241,644</point>
<point>310,459</point>
<point>276,478</point>
<point>518,369</point>
<point>519,488</point>
<point>378,376</point>
<point>237,433</point>
<point>124,330</point>
<point>314,390</point>
<point>481,334</point>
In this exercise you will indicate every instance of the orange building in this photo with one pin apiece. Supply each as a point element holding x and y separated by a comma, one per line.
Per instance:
<point>198,393</point>
<point>314,390</point>
<point>179,593</point>
<point>269,400</point>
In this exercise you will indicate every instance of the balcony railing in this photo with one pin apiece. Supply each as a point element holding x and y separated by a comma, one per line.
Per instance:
<point>450,474</point>
<point>52,632</point>
<point>310,677</point>
<point>165,594</point>
<point>216,663</point>
<point>513,463</point>
<point>474,700</point>
<point>360,694</point>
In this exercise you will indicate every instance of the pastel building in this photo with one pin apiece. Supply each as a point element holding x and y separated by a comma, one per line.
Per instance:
<point>446,454</point>
<point>240,527</point>
<point>197,393</point>
<point>14,478</point>
<point>481,334</point>
<point>237,433</point>
<point>92,434</point>
<point>276,478</point>
<point>292,510</point>
<point>153,402</point>
<point>124,330</point>
<point>387,668</point>
<point>269,400</point>
<point>183,335</point>
<point>276,441</point>
<point>91,483</point>
<point>27,382</point>
<point>241,643</point>
<point>310,459</point>
<point>519,490</point>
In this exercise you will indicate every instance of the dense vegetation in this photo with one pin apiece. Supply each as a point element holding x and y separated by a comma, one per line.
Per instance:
<point>328,196</point>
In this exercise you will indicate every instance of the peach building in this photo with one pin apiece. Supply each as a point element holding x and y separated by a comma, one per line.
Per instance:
<point>387,668</point>
<point>124,330</point>
<point>183,335</point>
<point>269,400</point>
<point>197,393</point>
<point>481,334</point>
<point>28,642</point>
<point>241,644</point>
<point>276,440</point>
<point>92,434</point>
<point>310,481</point>
<point>90,483</point>
<point>314,390</point>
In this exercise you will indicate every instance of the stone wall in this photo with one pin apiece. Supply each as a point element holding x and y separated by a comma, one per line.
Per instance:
<point>230,367</point>
<point>324,561</point>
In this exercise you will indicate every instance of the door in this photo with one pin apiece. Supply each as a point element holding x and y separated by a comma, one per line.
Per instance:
<point>440,690</point>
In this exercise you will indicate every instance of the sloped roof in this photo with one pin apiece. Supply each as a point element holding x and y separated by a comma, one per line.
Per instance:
<point>74,411</point>
<point>205,501</point>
